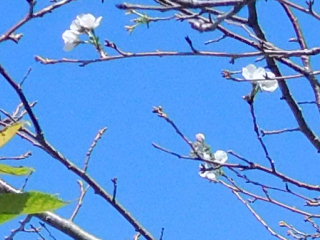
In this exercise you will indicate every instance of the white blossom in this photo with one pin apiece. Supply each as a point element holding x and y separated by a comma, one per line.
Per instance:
<point>200,137</point>
<point>213,174</point>
<point>251,72</point>
<point>85,22</point>
<point>206,156</point>
<point>220,156</point>
<point>71,39</point>
<point>210,175</point>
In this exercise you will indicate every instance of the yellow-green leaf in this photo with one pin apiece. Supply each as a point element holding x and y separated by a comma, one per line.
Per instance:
<point>18,171</point>
<point>7,217</point>
<point>15,204</point>
<point>9,132</point>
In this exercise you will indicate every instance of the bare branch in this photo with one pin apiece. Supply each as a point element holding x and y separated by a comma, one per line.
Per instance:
<point>10,35</point>
<point>21,157</point>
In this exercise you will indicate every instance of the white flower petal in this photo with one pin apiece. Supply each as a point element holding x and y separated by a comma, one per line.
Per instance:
<point>210,175</point>
<point>206,156</point>
<point>248,71</point>
<point>269,85</point>
<point>259,73</point>
<point>200,137</point>
<point>71,39</point>
<point>70,36</point>
<point>75,26</point>
<point>86,21</point>
<point>221,156</point>
<point>69,46</point>
<point>270,75</point>
<point>98,21</point>
<point>251,72</point>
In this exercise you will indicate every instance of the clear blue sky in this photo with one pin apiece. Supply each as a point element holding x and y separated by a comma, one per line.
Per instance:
<point>161,191</point>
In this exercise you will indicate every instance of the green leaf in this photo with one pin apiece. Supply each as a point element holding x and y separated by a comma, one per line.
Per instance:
<point>9,132</point>
<point>7,217</point>
<point>15,204</point>
<point>18,171</point>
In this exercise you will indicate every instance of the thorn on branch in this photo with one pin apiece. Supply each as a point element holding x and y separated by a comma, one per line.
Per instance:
<point>310,4</point>
<point>191,44</point>
<point>232,60</point>
<point>31,3</point>
<point>161,234</point>
<point>115,186</point>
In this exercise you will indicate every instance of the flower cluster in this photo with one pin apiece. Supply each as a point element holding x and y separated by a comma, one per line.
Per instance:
<point>210,171</point>
<point>83,24</point>
<point>262,78</point>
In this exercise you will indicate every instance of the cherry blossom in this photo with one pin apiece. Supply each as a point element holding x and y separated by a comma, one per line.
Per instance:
<point>85,22</point>
<point>71,39</point>
<point>251,72</point>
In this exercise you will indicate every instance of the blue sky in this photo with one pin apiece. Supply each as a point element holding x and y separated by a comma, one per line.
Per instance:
<point>161,191</point>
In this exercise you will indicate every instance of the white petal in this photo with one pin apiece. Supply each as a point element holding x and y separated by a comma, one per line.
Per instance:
<point>75,26</point>
<point>88,21</point>
<point>69,46</point>
<point>270,75</point>
<point>210,175</point>
<point>269,85</point>
<point>248,71</point>
<point>221,156</point>
<point>260,73</point>
<point>70,36</point>
<point>200,137</point>
<point>206,156</point>
<point>98,21</point>
<point>71,39</point>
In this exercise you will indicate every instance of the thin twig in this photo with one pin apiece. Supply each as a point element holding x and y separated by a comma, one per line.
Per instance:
<point>21,157</point>
<point>24,100</point>
<point>259,137</point>
<point>21,228</point>
<point>257,216</point>
<point>265,132</point>
<point>9,35</point>
<point>44,226</point>
<point>83,192</point>
<point>160,112</point>
<point>91,148</point>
